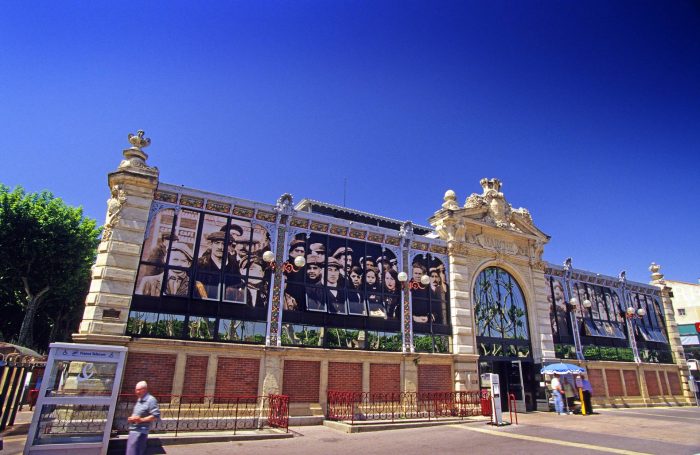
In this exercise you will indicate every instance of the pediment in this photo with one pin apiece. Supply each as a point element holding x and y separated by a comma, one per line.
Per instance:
<point>489,210</point>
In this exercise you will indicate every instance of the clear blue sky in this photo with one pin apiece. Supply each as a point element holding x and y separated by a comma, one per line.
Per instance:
<point>589,112</point>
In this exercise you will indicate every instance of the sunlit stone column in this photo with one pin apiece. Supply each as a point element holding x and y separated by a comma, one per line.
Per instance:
<point>674,337</point>
<point>132,188</point>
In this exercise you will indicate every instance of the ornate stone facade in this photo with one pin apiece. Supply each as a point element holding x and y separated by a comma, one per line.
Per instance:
<point>485,232</point>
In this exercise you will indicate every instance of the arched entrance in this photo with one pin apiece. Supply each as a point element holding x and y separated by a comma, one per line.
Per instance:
<point>503,335</point>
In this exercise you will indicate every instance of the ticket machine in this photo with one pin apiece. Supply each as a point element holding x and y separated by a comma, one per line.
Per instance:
<point>490,382</point>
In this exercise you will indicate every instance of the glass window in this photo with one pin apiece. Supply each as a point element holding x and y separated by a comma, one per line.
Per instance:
<point>499,306</point>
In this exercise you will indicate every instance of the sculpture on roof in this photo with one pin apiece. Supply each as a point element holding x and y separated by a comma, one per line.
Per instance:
<point>497,210</point>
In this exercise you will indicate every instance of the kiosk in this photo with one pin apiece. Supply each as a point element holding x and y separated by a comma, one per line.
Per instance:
<point>77,399</point>
<point>491,382</point>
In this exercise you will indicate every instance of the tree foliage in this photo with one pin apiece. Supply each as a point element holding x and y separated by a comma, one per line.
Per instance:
<point>47,250</point>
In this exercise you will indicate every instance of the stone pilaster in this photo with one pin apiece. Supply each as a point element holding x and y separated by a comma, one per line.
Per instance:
<point>273,369</point>
<point>132,188</point>
<point>409,374</point>
<point>674,337</point>
<point>539,315</point>
<point>212,369</point>
<point>464,338</point>
<point>365,376</point>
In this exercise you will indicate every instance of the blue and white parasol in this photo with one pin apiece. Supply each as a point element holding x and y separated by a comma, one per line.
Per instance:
<point>562,368</point>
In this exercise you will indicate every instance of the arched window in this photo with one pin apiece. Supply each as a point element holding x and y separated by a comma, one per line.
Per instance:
<point>499,306</point>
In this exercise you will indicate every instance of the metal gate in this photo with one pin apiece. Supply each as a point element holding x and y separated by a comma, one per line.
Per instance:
<point>14,369</point>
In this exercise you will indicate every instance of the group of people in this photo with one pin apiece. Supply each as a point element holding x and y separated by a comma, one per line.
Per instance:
<point>344,283</point>
<point>245,279</point>
<point>339,283</point>
<point>565,390</point>
<point>230,267</point>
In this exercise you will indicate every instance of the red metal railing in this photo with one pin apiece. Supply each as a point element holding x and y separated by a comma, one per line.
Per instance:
<point>278,416</point>
<point>513,408</point>
<point>184,413</point>
<point>361,406</point>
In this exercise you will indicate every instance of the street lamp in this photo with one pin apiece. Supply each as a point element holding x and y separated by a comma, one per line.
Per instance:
<point>288,267</point>
<point>630,314</point>
<point>412,284</point>
<point>573,303</point>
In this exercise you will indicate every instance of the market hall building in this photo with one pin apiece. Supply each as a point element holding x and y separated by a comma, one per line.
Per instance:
<point>216,295</point>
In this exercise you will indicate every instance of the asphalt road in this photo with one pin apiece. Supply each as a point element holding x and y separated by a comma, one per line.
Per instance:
<point>628,431</point>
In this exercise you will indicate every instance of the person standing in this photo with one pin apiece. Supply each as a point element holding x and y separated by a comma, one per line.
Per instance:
<point>587,393</point>
<point>555,384</point>
<point>144,413</point>
<point>570,394</point>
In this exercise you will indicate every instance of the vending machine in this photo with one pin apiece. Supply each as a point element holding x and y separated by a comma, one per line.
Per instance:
<point>490,382</point>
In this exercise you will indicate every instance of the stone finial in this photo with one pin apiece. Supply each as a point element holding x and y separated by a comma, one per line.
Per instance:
<point>285,204</point>
<point>138,141</point>
<point>134,157</point>
<point>406,230</point>
<point>622,278</point>
<point>655,274</point>
<point>490,184</point>
<point>450,201</point>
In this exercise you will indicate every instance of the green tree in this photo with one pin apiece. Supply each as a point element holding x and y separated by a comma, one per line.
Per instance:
<point>47,250</point>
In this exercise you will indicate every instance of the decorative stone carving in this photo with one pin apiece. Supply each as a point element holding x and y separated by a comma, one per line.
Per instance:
<point>656,275</point>
<point>450,201</point>
<point>498,245</point>
<point>450,229</point>
<point>115,204</point>
<point>285,204</point>
<point>134,157</point>
<point>457,248</point>
<point>406,230</point>
<point>498,211</point>
<point>523,214</point>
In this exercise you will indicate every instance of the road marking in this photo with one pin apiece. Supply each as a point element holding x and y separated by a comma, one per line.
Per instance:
<point>651,408</point>
<point>551,441</point>
<point>651,414</point>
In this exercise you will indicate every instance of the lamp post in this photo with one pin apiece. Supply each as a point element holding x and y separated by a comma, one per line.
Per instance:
<point>630,314</point>
<point>572,303</point>
<point>288,267</point>
<point>406,287</point>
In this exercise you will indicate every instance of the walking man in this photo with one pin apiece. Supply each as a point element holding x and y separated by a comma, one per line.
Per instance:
<point>145,411</point>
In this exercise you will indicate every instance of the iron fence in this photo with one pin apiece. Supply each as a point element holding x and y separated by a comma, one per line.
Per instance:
<point>188,413</point>
<point>14,370</point>
<point>363,406</point>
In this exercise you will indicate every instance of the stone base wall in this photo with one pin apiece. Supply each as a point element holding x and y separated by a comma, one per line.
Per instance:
<point>622,384</point>
<point>180,367</point>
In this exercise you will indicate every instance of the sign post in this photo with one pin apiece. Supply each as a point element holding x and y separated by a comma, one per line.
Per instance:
<point>77,400</point>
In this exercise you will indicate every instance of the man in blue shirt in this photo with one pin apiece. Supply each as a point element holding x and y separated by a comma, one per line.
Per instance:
<point>587,392</point>
<point>145,411</point>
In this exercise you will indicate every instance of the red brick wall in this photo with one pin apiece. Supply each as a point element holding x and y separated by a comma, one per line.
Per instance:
<point>652,383</point>
<point>614,383</point>
<point>434,378</point>
<point>631,383</point>
<point>345,377</point>
<point>595,377</point>
<point>195,375</point>
<point>302,381</point>
<point>237,377</point>
<point>156,369</point>
<point>675,382</point>
<point>384,378</point>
